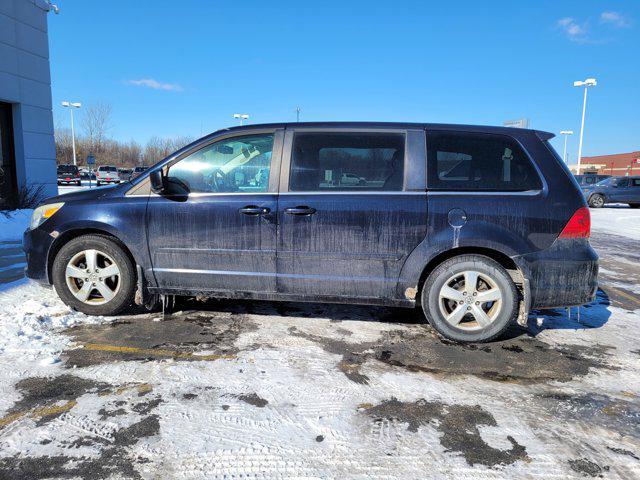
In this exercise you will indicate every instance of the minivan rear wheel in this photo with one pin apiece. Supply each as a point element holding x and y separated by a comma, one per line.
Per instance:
<point>94,275</point>
<point>470,298</point>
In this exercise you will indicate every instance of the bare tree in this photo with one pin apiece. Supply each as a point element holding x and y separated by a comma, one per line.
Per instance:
<point>96,123</point>
<point>64,148</point>
<point>158,148</point>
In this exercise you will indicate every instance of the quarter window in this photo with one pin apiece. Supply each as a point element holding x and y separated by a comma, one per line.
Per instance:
<point>347,162</point>
<point>470,161</point>
<point>239,164</point>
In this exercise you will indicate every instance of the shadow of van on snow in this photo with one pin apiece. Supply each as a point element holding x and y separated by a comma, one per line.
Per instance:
<point>593,315</point>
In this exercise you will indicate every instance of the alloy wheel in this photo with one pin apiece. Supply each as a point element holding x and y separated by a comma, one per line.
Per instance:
<point>470,300</point>
<point>93,277</point>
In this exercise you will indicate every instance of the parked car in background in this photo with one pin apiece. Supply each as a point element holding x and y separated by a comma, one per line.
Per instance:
<point>588,179</point>
<point>107,174</point>
<point>125,174</point>
<point>68,174</point>
<point>87,173</point>
<point>138,170</point>
<point>226,218</point>
<point>614,190</point>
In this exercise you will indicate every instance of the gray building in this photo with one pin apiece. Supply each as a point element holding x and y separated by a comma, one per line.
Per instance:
<point>27,155</point>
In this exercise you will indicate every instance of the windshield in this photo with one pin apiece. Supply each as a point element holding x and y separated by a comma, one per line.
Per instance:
<point>67,169</point>
<point>107,169</point>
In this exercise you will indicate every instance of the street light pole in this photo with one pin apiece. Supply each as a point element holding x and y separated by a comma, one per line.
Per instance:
<point>241,117</point>
<point>566,134</point>
<point>589,82</point>
<point>297,114</point>
<point>71,106</point>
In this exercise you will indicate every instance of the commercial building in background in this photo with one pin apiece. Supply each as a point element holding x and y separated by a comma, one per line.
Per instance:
<point>27,148</point>
<point>619,164</point>
<point>519,123</point>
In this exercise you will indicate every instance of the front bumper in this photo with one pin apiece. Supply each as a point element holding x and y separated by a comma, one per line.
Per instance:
<point>36,244</point>
<point>564,275</point>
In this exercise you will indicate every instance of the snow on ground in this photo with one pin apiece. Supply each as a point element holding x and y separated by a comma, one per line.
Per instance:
<point>624,222</point>
<point>264,390</point>
<point>285,405</point>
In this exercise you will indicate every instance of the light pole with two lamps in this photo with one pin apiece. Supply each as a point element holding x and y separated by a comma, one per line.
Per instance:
<point>589,82</point>
<point>71,106</point>
<point>566,134</point>
<point>241,117</point>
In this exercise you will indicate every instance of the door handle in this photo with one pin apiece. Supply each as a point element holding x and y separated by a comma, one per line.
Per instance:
<point>303,211</point>
<point>254,211</point>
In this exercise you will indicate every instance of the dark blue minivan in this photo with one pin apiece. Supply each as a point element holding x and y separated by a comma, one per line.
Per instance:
<point>476,225</point>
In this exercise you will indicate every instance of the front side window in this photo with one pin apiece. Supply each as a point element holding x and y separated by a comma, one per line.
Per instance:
<point>347,162</point>
<point>239,164</point>
<point>635,182</point>
<point>472,161</point>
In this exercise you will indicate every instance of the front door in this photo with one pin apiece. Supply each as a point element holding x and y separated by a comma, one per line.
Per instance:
<point>351,209</point>
<point>215,229</point>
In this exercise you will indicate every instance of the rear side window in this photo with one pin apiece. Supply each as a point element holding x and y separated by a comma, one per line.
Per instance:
<point>347,162</point>
<point>476,161</point>
<point>621,182</point>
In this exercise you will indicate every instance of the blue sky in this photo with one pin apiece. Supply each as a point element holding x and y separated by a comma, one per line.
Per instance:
<point>184,67</point>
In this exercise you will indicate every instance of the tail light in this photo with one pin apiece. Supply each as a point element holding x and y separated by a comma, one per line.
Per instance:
<point>578,226</point>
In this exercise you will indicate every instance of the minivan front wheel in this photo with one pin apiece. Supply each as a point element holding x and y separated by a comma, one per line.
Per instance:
<point>596,201</point>
<point>94,275</point>
<point>470,298</point>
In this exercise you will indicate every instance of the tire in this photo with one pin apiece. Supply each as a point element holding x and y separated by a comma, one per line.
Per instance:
<point>463,325</point>
<point>634,205</point>
<point>77,253</point>
<point>79,184</point>
<point>97,184</point>
<point>596,201</point>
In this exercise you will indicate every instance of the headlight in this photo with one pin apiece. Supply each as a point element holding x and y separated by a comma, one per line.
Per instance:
<point>43,212</point>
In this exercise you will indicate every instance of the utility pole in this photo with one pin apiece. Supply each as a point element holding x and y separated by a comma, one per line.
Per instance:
<point>297,114</point>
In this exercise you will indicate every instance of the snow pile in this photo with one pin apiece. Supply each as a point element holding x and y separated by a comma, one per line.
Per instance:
<point>13,226</point>
<point>31,320</point>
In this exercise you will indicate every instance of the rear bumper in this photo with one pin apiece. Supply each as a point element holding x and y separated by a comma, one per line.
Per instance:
<point>564,275</point>
<point>36,244</point>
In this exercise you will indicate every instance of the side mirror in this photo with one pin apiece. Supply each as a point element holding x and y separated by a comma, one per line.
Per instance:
<point>157,182</point>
